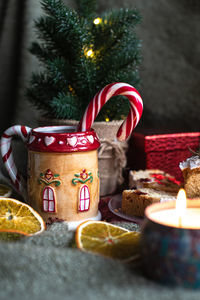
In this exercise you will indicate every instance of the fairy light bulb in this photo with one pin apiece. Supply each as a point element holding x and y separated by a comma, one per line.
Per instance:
<point>71,89</point>
<point>90,53</point>
<point>107,119</point>
<point>97,21</point>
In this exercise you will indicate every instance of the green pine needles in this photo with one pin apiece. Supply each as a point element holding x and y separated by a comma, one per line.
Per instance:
<point>81,52</point>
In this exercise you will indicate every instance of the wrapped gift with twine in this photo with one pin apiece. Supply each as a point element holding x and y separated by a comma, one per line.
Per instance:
<point>112,156</point>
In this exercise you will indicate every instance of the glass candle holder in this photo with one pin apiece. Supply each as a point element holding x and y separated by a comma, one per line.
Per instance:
<point>171,252</point>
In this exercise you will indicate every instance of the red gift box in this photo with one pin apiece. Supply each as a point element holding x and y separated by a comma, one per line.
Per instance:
<point>162,151</point>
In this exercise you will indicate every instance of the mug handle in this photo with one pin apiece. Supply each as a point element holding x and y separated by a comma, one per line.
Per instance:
<point>6,152</point>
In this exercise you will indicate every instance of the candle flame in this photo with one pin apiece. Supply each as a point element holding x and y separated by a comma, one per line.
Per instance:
<point>181,203</point>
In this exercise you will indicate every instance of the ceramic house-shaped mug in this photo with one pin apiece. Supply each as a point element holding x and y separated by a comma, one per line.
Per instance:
<point>63,179</point>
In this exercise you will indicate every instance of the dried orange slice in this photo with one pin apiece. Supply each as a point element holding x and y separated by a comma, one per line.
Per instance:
<point>19,218</point>
<point>107,239</point>
<point>5,191</point>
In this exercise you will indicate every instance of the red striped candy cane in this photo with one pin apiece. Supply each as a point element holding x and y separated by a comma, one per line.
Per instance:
<point>7,156</point>
<point>111,90</point>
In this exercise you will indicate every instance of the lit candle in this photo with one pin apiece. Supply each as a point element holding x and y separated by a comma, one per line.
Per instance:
<point>170,242</point>
<point>178,214</point>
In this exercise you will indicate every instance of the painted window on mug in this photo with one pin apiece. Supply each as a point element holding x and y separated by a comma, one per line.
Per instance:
<point>84,198</point>
<point>48,200</point>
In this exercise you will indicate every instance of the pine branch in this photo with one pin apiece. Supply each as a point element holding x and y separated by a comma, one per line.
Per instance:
<point>84,77</point>
<point>59,71</point>
<point>66,106</point>
<point>51,7</point>
<point>121,55</point>
<point>43,52</point>
<point>63,30</point>
<point>113,25</point>
<point>41,91</point>
<point>48,32</point>
<point>128,74</point>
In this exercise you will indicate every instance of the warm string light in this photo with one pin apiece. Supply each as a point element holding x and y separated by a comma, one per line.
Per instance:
<point>71,89</point>
<point>107,119</point>
<point>90,53</point>
<point>97,21</point>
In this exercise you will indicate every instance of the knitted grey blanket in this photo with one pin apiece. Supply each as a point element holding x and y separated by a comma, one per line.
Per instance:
<point>49,267</point>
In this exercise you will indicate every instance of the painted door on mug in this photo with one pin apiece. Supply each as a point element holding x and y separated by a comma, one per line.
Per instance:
<point>48,200</point>
<point>84,198</point>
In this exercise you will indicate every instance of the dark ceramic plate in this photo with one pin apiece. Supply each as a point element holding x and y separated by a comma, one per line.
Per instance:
<point>114,206</point>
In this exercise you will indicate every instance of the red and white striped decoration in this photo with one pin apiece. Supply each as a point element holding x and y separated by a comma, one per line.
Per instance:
<point>111,90</point>
<point>7,156</point>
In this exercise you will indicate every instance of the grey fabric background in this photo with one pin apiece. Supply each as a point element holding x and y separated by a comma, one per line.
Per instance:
<point>170,73</point>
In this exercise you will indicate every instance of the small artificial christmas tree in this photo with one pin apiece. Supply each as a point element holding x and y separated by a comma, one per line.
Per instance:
<point>81,52</point>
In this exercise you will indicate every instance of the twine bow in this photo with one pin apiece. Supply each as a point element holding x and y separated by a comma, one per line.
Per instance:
<point>117,152</point>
